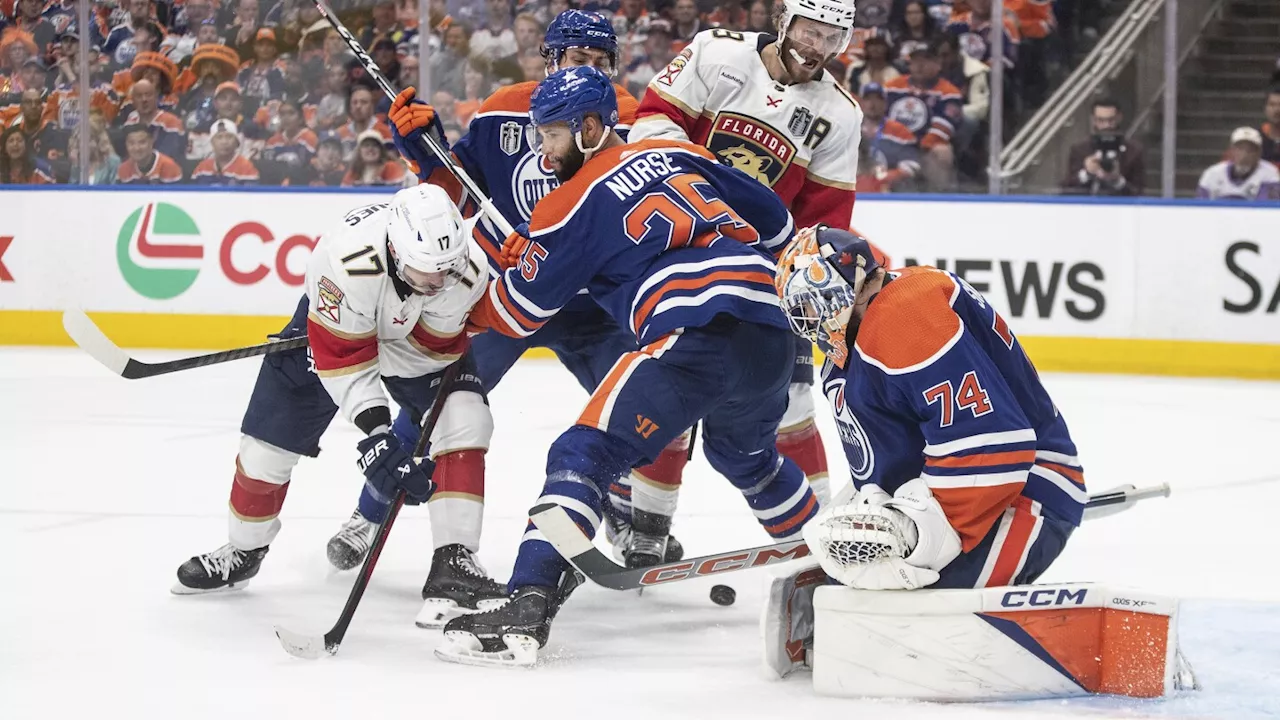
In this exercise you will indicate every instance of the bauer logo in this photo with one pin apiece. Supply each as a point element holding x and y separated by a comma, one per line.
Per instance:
<point>159,251</point>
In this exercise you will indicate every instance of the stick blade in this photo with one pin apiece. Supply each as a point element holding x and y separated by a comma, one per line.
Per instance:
<point>86,334</point>
<point>307,647</point>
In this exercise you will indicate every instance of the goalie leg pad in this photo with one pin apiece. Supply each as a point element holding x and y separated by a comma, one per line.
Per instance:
<point>786,625</point>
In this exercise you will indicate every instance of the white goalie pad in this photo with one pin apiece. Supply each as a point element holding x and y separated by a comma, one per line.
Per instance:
<point>786,626</point>
<point>1004,643</point>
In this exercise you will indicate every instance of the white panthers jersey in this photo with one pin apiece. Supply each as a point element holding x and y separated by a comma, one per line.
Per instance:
<point>801,140</point>
<point>1262,184</point>
<point>365,322</point>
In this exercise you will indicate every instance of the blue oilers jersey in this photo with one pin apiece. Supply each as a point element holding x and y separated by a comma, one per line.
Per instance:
<point>939,388</point>
<point>660,234</point>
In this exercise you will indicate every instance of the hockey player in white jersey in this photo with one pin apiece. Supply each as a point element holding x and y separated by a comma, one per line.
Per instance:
<point>389,289</point>
<point>765,105</point>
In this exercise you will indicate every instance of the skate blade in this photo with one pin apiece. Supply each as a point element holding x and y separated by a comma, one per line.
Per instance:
<point>307,647</point>
<point>463,648</point>
<point>437,612</point>
<point>180,589</point>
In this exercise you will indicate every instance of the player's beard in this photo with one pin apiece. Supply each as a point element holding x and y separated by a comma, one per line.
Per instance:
<point>570,164</point>
<point>800,72</point>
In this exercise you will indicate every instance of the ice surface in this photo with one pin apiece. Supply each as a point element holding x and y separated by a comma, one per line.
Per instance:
<point>108,485</point>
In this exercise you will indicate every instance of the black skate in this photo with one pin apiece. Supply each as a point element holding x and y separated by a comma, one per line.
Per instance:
<point>620,534</point>
<point>651,542</point>
<point>347,549</point>
<point>510,635</point>
<point>456,584</point>
<point>223,569</point>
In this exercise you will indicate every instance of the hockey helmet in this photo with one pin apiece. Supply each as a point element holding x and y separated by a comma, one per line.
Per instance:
<point>577,28</point>
<point>838,13</point>
<point>429,239</point>
<point>820,278</point>
<point>568,96</point>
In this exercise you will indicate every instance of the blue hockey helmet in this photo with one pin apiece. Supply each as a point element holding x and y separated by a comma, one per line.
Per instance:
<point>575,28</point>
<point>570,95</point>
<point>820,279</point>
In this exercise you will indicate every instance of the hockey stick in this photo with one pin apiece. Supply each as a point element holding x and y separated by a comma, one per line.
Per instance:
<point>311,647</point>
<point>567,538</point>
<point>85,333</point>
<point>371,67</point>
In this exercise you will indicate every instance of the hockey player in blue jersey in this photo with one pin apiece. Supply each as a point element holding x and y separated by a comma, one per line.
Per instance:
<point>494,153</point>
<point>674,246</point>
<point>960,459</point>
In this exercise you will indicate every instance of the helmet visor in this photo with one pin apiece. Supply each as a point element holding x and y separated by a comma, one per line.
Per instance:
<point>817,39</point>
<point>434,281</point>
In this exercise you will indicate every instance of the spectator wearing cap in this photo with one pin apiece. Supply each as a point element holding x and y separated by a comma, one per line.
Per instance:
<point>631,25</point>
<point>497,39</point>
<point>227,105</point>
<point>211,65</point>
<point>1244,175</point>
<point>449,65</point>
<point>243,34</point>
<point>973,28</point>
<point>373,165</point>
<point>687,22</point>
<point>361,120</point>
<point>657,53</point>
<point>263,79</point>
<point>929,106</point>
<point>32,75</point>
<point>289,152</point>
<point>385,26</point>
<point>1270,127</point>
<point>915,29</point>
<point>166,129</point>
<point>145,165</point>
<point>326,169</point>
<point>29,18</point>
<point>18,163</point>
<point>889,154</point>
<point>154,68</point>
<point>876,65</point>
<point>226,166</point>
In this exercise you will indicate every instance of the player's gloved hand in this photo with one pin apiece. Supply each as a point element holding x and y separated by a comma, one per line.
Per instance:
<point>410,118</point>
<point>387,468</point>
<point>514,246</point>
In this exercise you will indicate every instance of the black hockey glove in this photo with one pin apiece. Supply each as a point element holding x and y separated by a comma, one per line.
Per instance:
<point>387,468</point>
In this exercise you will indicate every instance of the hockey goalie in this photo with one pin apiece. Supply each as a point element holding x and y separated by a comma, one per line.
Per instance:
<point>966,488</point>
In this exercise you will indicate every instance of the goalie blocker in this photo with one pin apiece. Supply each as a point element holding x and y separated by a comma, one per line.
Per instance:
<point>998,643</point>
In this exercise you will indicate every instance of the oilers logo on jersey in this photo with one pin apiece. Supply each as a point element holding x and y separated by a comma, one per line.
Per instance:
<point>531,182</point>
<point>857,444</point>
<point>912,112</point>
<point>751,146</point>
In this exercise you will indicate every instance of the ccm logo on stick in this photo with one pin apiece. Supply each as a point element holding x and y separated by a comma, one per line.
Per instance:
<point>724,563</point>
<point>1043,598</point>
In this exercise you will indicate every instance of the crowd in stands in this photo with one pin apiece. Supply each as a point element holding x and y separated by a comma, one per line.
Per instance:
<point>237,92</point>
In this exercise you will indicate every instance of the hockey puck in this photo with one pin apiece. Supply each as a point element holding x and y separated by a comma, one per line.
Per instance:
<point>723,595</point>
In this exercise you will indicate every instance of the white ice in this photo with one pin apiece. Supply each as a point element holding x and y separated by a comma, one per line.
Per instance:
<point>108,485</point>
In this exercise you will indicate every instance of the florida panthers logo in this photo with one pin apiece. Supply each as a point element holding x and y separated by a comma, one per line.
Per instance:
<point>532,181</point>
<point>751,146</point>
<point>857,445</point>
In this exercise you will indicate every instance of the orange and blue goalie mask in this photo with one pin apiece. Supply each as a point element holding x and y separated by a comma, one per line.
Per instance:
<point>817,301</point>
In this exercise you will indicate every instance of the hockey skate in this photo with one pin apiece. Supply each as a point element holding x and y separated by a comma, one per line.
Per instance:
<point>456,584</point>
<point>620,535</point>
<point>512,634</point>
<point>650,541</point>
<point>226,568</point>
<point>348,547</point>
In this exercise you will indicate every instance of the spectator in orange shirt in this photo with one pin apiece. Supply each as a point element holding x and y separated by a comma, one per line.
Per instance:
<point>361,120</point>
<point>18,164</point>
<point>167,129</point>
<point>146,166</point>
<point>729,14</point>
<point>373,166</point>
<point>226,166</point>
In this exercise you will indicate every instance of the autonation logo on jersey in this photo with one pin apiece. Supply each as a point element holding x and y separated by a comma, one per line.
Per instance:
<point>159,250</point>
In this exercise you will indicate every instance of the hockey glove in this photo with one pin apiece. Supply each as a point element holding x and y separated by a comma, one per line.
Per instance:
<point>514,246</point>
<point>410,118</point>
<point>387,468</point>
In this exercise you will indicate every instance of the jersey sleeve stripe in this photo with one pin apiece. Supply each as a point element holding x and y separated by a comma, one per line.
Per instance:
<point>1014,457</point>
<point>1056,457</point>
<point>1016,477</point>
<point>763,297</point>
<point>503,311</point>
<point>1073,474</point>
<point>664,291</point>
<point>776,242</point>
<point>972,511</point>
<point>972,442</point>
<point>1073,491</point>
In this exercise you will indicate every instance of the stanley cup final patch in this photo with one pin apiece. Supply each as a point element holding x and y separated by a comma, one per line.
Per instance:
<point>329,299</point>
<point>800,121</point>
<point>510,136</point>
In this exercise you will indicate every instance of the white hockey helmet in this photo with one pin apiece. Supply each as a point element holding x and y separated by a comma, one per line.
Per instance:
<point>429,239</point>
<point>838,13</point>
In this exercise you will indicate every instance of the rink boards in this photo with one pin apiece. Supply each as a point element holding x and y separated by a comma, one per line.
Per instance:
<point>1187,288</point>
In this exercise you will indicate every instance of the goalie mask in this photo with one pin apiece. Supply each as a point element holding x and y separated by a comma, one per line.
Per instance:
<point>820,278</point>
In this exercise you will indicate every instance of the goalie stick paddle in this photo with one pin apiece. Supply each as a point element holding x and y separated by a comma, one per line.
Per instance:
<point>568,539</point>
<point>86,334</point>
<point>445,157</point>
<point>312,647</point>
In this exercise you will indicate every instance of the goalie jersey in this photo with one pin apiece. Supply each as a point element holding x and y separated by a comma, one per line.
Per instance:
<point>496,153</point>
<point>954,400</point>
<point>364,322</point>
<point>801,140</point>
<point>660,234</point>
